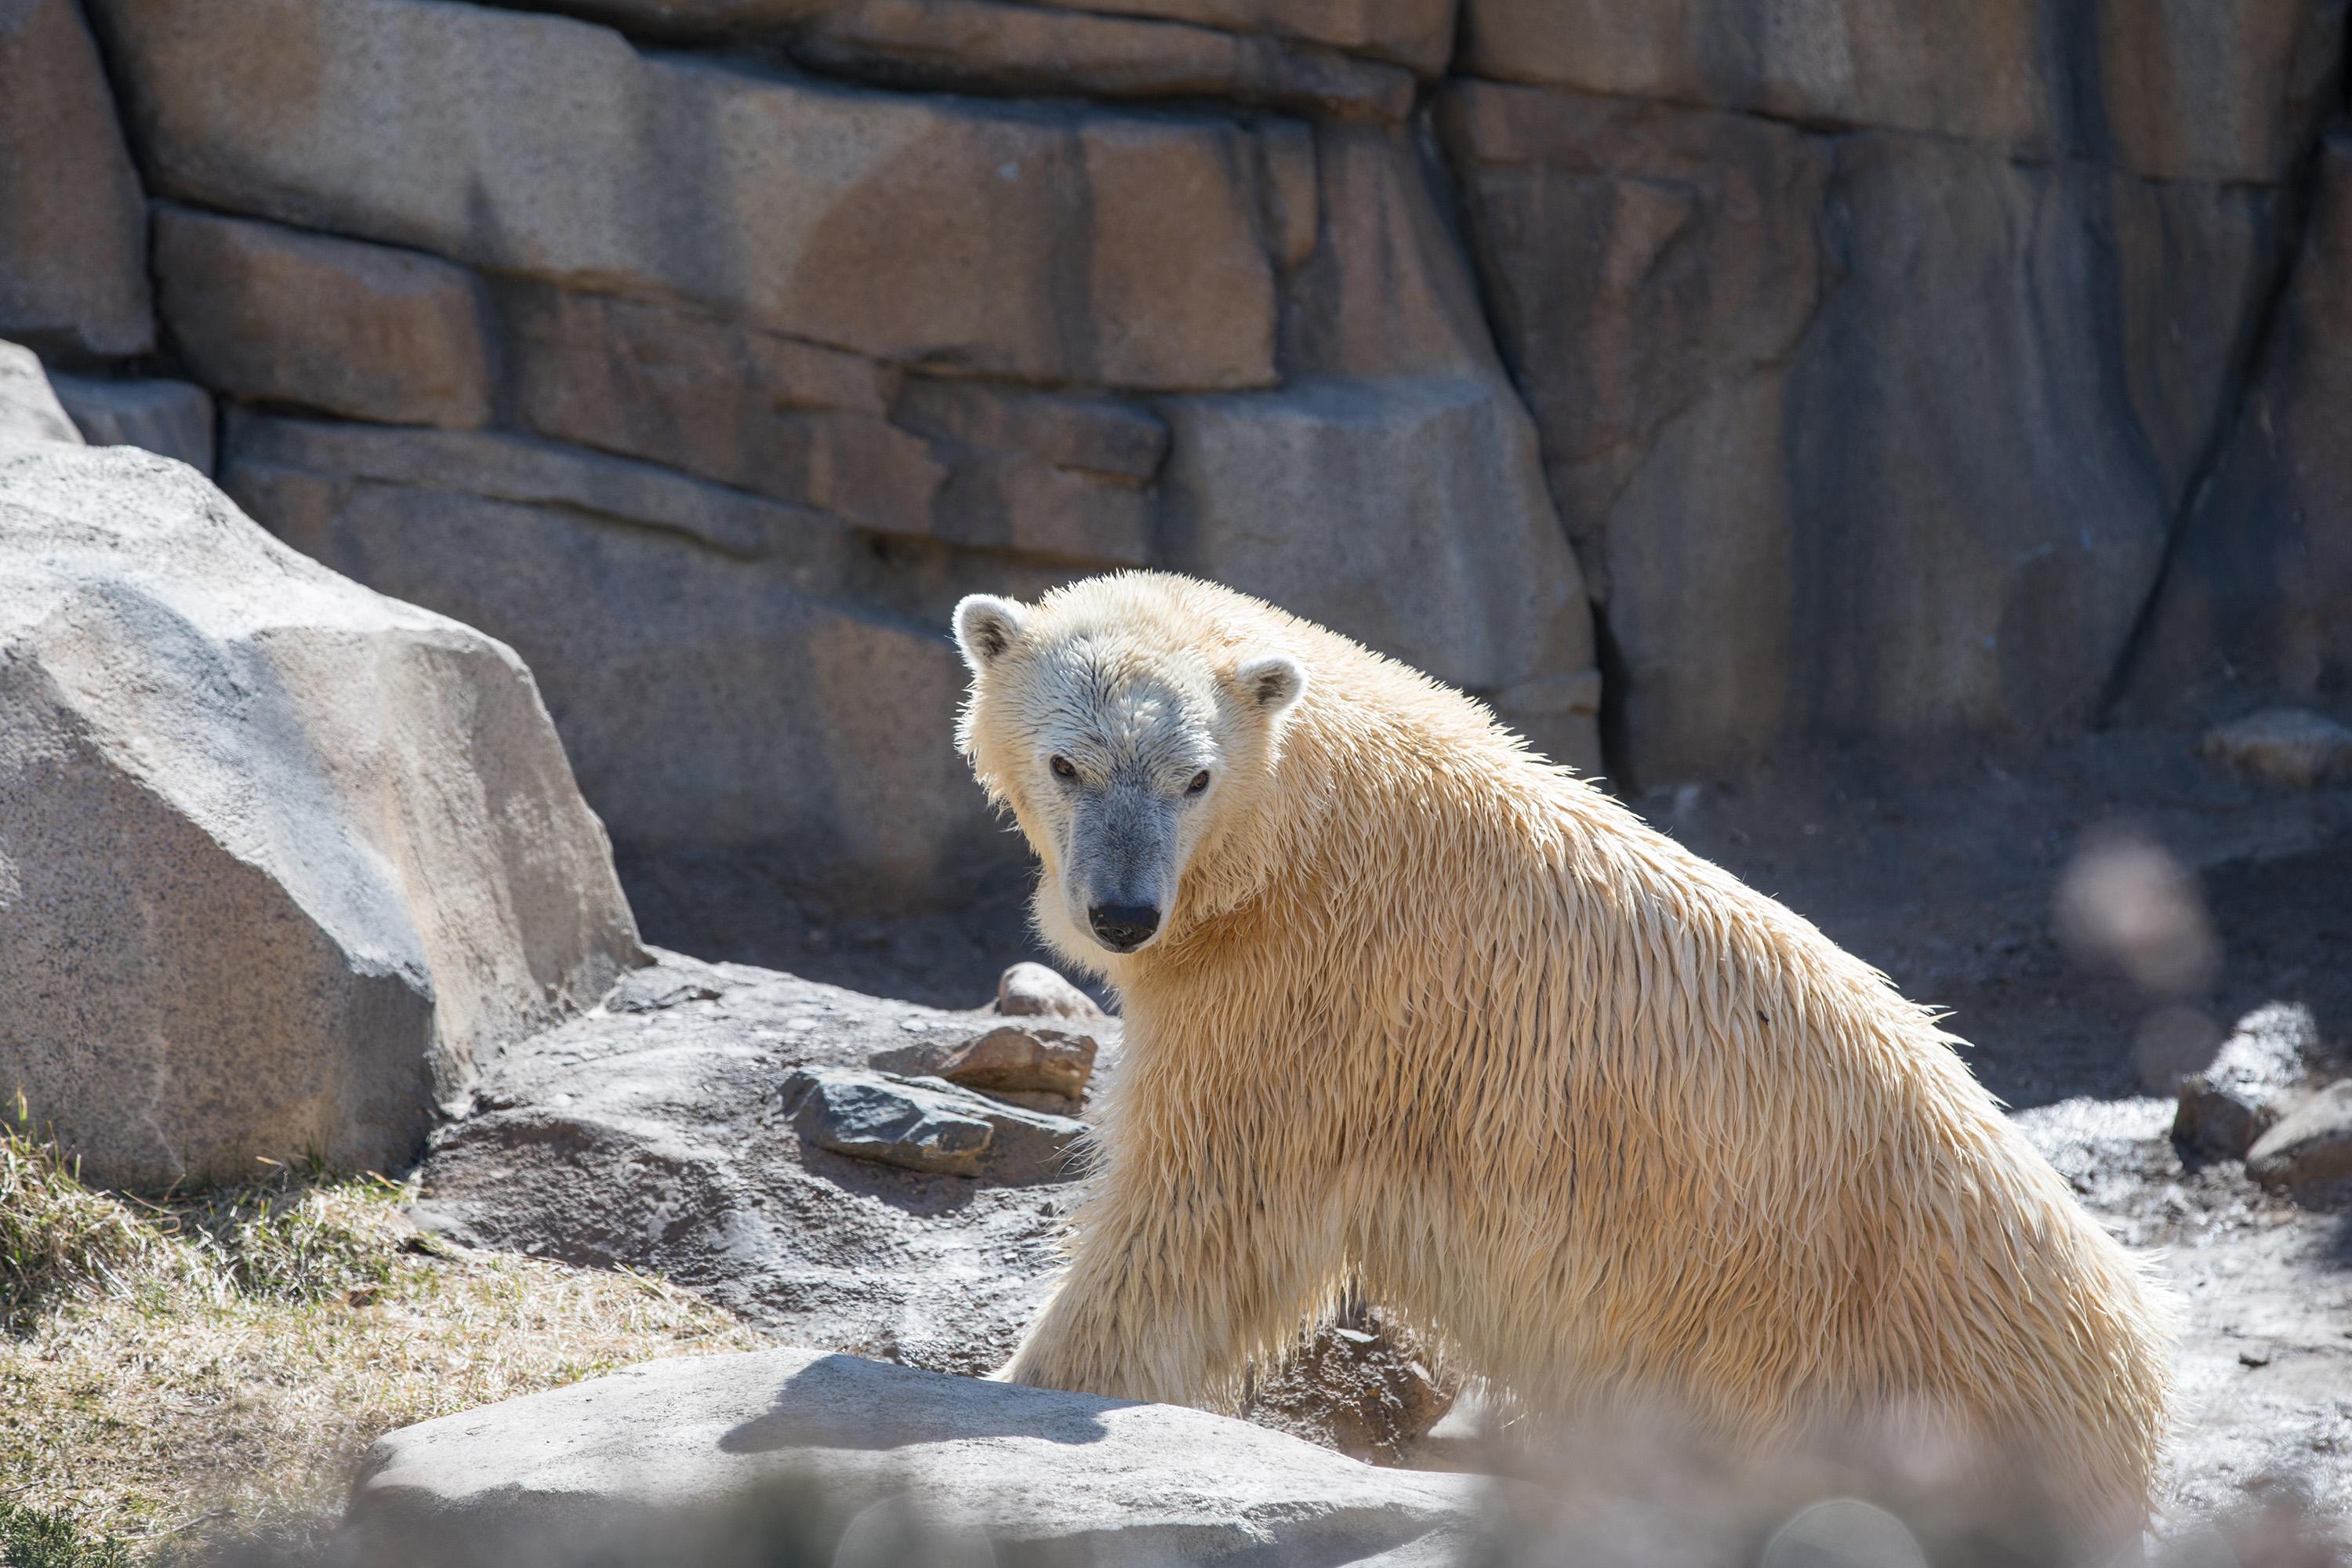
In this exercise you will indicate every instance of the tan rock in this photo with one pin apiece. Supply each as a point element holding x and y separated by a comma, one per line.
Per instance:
<point>1021,47</point>
<point>1083,247</point>
<point>171,418</point>
<point>1033,991</point>
<point>2308,1152</point>
<point>1034,1060</point>
<point>232,778</point>
<point>2181,92</point>
<point>2293,748</point>
<point>73,221</point>
<point>266,312</point>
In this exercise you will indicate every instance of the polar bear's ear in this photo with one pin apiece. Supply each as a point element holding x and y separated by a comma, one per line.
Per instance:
<point>985,626</point>
<point>1272,680</point>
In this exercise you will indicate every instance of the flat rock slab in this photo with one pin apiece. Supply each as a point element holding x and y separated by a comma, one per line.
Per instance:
<point>657,1134</point>
<point>1044,1475</point>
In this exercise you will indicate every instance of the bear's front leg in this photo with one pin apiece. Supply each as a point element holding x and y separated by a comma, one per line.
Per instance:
<point>1176,1278</point>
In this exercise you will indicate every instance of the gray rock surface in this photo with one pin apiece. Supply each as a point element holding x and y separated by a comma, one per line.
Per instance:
<point>1050,474</point>
<point>656,1135</point>
<point>2174,91</point>
<point>2309,1152</point>
<point>286,862</point>
<point>73,240</point>
<point>727,671</point>
<point>1068,246</point>
<point>262,311</point>
<point>1045,1477</point>
<point>2293,748</point>
<point>169,418</point>
<point>1769,367</point>
<point>2270,1054</point>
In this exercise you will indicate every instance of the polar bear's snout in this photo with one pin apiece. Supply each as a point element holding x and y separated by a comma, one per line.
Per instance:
<point>1125,860</point>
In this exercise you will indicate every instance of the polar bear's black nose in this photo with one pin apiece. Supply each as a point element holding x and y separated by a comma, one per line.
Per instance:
<point>1123,927</point>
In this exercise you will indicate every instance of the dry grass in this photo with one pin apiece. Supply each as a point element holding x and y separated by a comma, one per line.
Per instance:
<point>173,1368</point>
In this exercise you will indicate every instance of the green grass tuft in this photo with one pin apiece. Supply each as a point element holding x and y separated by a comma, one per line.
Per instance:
<point>58,1237</point>
<point>31,1539</point>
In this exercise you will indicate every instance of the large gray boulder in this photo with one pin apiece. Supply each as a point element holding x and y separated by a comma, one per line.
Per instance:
<point>657,1453</point>
<point>73,221</point>
<point>1064,245</point>
<point>283,862</point>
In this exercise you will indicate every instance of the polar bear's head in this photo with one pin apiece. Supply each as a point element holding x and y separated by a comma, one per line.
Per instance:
<point>1127,745</point>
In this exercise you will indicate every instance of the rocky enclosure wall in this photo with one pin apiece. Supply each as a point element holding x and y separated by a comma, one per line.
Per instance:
<point>1825,370</point>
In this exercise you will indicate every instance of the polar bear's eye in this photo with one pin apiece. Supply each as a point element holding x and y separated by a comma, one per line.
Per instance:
<point>1061,769</point>
<point>1200,782</point>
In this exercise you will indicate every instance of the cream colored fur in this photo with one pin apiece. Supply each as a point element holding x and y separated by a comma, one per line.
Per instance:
<point>1432,1015</point>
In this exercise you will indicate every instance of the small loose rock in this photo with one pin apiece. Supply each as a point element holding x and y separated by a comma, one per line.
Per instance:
<point>2309,1153</point>
<point>929,1125</point>
<point>2237,1099</point>
<point>2292,748</point>
<point>1033,991</point>
<point>1036,1061</point>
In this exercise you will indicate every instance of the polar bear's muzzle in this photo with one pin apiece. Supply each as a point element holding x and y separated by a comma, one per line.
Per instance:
<point>1122,865</point>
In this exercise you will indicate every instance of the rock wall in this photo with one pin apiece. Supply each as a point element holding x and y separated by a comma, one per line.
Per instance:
<point>1823,372</point>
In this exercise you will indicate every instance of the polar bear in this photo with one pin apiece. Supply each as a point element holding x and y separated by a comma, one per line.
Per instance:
<point>1408,1008</point>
